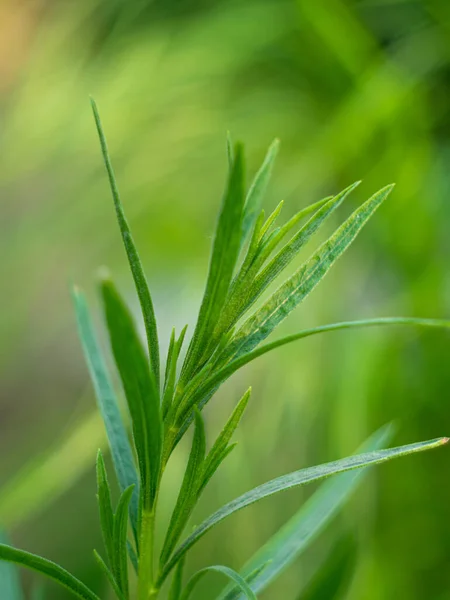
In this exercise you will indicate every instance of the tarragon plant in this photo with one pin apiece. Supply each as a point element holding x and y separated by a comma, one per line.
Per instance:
<point>248,254</point>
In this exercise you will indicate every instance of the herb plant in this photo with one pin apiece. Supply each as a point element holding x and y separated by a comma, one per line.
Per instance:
<point>246,258</point>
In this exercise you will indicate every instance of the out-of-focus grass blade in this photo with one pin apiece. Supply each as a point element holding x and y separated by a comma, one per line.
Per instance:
<point>298,478</point>
<point>140,281</point>
<point>257,190</point>
<point>49,569</point>
<point>294,537</point>
<point>223,261</point>
<point>229,573</point>
<point>189,490</point>
<point>46,477</point>
<point>305,279</point>
<point>10,587</point>
<point>38,593</point>
<point>333,577</point>
<point>140,388</point>
<point>107,402</point>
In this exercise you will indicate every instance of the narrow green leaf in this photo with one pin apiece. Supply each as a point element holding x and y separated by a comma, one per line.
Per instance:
<point>189,490</point>
<point>305,279</point>
<point>49,569</point>
<point>109,575</point>
<point>220,448</point>
<point>140,389</point>
<point>334,577</point>
<point>230,573</point>
<point>224,373</point>
<point>119,443</point>
<point>223,261</point>
<point>105,508</point>
<point>297,478</point>
<point>177,582</point>
<point>120,542</point>
<point>132,254</point>
<point>284,547</point>
<point>10,587</point>
<point>172,361</point>
<point>292,248</point>
<point>257,190</point>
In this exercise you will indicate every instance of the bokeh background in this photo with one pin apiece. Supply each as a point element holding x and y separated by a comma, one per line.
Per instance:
<point>354,90</point>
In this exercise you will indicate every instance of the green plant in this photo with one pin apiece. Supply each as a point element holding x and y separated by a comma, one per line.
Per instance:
<point>227,336</point>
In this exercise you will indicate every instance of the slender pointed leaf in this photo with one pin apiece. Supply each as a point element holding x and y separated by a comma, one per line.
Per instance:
<point>105,508</point>
<point>229,573</point>
<point>292,248</point>
<point>119,443</point>
<point>189,490</point>
<point>298,478</point>
<point>140,281</point>
<point>49,569</point>
<point>257,190</point>
<point>172,361</point>
<point>109,576</point>
<point>120,542</point>
<point>220,448</point>
<point>284,547</point>
<point>305,279</point>
<point>223,261</point>
<point>140,389</point>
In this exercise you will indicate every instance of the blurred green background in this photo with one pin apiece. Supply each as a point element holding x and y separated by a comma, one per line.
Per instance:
<point>354,90</point>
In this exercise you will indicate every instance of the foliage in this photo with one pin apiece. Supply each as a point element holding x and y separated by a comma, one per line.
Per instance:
<point>235,317</point>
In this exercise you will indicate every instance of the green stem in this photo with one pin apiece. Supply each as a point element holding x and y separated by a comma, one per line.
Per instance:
<point>145,572</point>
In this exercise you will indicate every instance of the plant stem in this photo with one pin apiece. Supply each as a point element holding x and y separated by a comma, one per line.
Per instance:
<point>146,545</point>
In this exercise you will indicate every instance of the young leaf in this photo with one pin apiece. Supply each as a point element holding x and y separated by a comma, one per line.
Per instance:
<point>230,573</point>
<point>297,478</point>
<point>105,508</point>
<point>120,542</point>
<point>171,370</point>
<point>223,261</point>
<point>220,449</point>
<point>189,490</point>
<point>109,575</point>
<point>140,389</point>
<point>49,569</point>
<point>284,547</point>
<point>292,248</point>
<point>10,587</point>
<point>177,582</point>
<point>133,256</point>
<point>257,190</point>
<point>119,443</point>
<point>304,280</point>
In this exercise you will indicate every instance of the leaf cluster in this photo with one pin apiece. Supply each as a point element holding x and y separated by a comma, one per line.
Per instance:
<point>237,313</point>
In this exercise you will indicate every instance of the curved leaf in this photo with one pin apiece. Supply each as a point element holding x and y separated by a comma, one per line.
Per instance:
<point>230,573</point>
<point>48,568</point>
<point>283,548</point>
<point>297,478</point>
